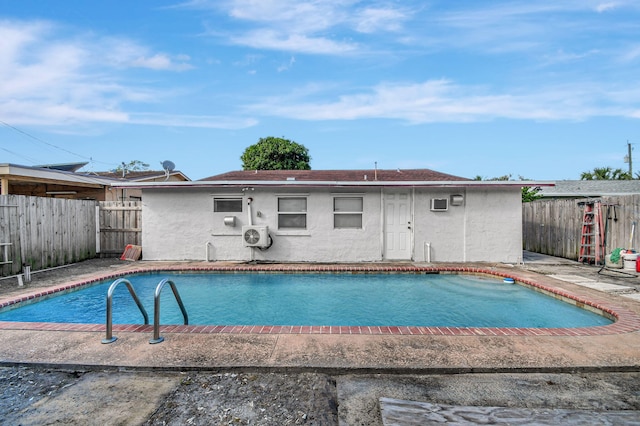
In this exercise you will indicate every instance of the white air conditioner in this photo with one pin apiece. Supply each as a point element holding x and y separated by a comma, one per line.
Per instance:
<point>255,236</point>
<point>439,204</point>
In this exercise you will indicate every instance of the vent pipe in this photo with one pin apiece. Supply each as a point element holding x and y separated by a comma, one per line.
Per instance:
<point>249,200</point>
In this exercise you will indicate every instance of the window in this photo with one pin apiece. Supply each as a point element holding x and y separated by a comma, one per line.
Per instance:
<point>347,212</point>
<point>227,205</point>
<point>292,213</point>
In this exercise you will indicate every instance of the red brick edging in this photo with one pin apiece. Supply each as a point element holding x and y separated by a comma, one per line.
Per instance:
<point>626,321</point>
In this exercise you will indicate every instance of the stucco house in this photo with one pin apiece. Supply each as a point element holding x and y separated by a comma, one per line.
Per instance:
<point>333,216</point>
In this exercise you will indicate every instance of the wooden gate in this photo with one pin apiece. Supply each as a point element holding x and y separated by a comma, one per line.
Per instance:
<point>120,224</point>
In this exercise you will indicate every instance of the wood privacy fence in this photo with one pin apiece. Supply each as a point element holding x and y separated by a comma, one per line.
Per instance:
<point>120,224</point>
<point>48,232</point>
<point>554,227</point>
<point>45,232</point>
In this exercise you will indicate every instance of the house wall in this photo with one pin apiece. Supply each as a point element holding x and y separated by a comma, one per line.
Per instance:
<point>486,227</point>
<point>181,225</point>
<point>493,225</point>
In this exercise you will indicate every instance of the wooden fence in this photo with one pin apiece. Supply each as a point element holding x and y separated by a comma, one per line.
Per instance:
<point>48,232</point>
<point>554,227</point>
<point>120,224</point>
<point>45,232</point>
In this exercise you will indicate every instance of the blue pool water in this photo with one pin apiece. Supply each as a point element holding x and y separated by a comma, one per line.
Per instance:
<point>318,299</point>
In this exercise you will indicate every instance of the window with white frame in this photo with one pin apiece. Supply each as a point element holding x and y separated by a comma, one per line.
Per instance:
<point>227,205</point>
<point>347,212</point>
<point>292,213</point>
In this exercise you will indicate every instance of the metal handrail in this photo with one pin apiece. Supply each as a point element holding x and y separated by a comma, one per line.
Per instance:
<point>156,309</point>
<point>110,338</point>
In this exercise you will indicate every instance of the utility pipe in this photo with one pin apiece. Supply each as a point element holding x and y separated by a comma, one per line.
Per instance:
<point>249,200</point>
<point>427,251</point>
<point>206,249</point>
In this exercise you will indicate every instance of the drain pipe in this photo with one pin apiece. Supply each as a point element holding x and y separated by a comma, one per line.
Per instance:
<point>206,250</point>
<point>427,252</point>
<point>249,200</point>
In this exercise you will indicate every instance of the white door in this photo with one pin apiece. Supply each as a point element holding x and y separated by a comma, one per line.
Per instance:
<point>397,226</point>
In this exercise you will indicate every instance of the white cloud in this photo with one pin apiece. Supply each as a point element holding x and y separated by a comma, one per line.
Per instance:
<point>161,61</point>
<point>603,7</point>
<point>631,54</point>
<point>54,80</point>
<point>288,65</point>
<point>274,40</point>
<point>290,15</point>
<point>312,26</point>
<point>521,26</point>
<point>201,121</point>
<point>372,20</point>
<point>443,101</point>
<point>125,53</point>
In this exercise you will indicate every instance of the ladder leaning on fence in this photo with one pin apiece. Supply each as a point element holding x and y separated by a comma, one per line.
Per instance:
<point>592,240</point>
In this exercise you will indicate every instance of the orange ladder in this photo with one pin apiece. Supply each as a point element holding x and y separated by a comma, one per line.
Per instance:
<point>592,240</point>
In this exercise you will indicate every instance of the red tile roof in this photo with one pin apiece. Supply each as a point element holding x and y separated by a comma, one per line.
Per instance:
<point>410,175</point>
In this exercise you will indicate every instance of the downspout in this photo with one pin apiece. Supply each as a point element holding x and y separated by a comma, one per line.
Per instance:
<point>413,223</point>
<point>207,251</point>
<point>249,200</point>
<point>250,223</point>
<point>382,223</point>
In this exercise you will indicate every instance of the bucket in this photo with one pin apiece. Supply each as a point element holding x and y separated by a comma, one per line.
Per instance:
<point>609,264</point>
<point>629,261</point>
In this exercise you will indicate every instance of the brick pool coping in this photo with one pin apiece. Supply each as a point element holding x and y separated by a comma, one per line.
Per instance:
<point>626,321</point>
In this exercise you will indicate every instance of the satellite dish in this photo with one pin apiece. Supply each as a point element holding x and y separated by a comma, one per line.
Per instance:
<point>168,166</point>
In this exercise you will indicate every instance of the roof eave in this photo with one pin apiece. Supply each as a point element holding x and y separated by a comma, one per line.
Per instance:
<point>25,173</point>
<point>300,183</point>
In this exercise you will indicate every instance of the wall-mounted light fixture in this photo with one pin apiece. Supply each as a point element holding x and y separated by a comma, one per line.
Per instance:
<point>457,200</point>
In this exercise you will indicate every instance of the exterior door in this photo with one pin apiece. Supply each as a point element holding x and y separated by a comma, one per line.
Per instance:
<point>398,229</point>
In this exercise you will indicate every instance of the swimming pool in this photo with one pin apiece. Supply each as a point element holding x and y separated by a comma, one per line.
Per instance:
<point>421,300</point>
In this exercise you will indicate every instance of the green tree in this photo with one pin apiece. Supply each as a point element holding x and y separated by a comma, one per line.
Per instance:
<point>605,173</point>
<point>131,166</point>
<point>528,193</point>
<point>272,153</point>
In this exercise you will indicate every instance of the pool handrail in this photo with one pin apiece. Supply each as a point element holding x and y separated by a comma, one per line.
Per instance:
<point>156,309</point>
<point>110,338</point>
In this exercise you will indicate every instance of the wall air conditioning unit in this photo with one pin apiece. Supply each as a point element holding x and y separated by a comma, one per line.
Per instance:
<point>439,204</point>
<point>255,236</point>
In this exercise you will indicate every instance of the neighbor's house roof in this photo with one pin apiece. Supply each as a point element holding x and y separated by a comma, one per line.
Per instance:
<point>333,178</point>
<point>591,188</point>
<point>65,167</point>
<point>18,173</point>
<point>63,180</point>
<point>146,176</point>
<point>51,182</point>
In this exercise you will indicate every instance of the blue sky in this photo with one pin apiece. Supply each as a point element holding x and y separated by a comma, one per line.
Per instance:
<point>541,89</point>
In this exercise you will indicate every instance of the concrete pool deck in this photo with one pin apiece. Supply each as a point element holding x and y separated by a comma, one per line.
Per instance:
<point>397,350</point>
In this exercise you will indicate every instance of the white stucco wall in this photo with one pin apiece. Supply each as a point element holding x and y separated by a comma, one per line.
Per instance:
<point>178,224</point>
<point>493,225</point>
